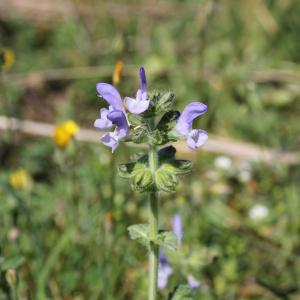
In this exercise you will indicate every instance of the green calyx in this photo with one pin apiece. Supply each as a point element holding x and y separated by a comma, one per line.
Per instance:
<point>166,176</point>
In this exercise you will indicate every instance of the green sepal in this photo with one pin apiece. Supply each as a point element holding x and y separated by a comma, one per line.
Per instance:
<point>130,169</point>
<point>167,239</point>
<point>139,174</point>
<point>140,232</point>
<point>181,292</point>
<point>165,180</point>
<point>142,181</point>
<point>166,177</point>
<point>178,167</point>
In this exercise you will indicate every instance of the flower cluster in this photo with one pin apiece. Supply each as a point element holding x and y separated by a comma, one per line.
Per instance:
<point>134,124</point>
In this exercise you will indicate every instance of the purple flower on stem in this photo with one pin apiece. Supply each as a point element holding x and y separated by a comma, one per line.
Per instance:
<point>114,115</point>
<point>184,127</point>
<point>140,103</point>
<point>164,271</point>
<point>177,227</point>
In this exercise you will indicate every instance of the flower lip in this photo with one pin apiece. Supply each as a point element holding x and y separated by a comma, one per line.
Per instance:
<point>196,138</point>
<point>103,123</point>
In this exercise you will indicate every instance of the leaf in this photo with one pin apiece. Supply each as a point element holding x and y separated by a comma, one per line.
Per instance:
<point>140,232</point>
<point>182,292</point>
<point>167,239</point>
<point>11,263</point>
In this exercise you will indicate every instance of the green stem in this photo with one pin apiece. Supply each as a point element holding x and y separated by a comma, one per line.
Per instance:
<point>153,220</point>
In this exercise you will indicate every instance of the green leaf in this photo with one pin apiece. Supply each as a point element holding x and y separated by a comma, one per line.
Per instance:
<point>140,232</point>
<point>167,239</point>
<point>182,292</point>
<point>11,263</point>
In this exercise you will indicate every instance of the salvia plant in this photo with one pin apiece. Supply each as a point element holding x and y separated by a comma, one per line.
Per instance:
<point>149,118</point>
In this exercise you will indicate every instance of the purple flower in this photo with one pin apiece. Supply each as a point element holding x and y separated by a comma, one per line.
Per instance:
<point>164,271</point>
<point>114,115</point>
<point>111,139</point>
<point>184,127</point>
<point>193,282</point>
<point>177,227</point>
<point>140,103</point>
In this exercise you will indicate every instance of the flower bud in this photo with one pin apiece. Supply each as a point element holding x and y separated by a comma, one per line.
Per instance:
<point>165,102</point>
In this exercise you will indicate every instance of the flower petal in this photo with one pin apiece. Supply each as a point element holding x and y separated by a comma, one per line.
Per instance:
<point>136,106</point>
<point>190,112</point>
<point>110,94</point>
<point>110,140</point>
<point>177,227</point>
<point>118,118</point>
<point>103,123</point>
<point>164,271</point>
<point>143,80</point>
<point>196,138</point>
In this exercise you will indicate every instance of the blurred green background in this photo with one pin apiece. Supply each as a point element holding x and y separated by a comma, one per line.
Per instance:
<point>64,213</point>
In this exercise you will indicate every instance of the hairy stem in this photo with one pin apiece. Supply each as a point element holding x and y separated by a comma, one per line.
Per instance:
<point>153,220</point>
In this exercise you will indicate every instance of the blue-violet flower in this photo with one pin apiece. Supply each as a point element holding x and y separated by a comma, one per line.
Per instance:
<point>195,137</point>
<point>140,103</point>
<point>164,271</point>
<point>114,115</point>
<point>177,227</point>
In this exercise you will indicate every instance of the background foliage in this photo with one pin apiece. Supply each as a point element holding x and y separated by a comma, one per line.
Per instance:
<point>64,214</point>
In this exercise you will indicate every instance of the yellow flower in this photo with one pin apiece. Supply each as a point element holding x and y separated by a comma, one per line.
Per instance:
<point>117,72</point>
<point>64,133</point>
<point>7,58</point>
<point>20,179</point>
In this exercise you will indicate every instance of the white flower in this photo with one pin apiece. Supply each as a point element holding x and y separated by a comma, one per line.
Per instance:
<point>258,212</point>
<point>223,162</point>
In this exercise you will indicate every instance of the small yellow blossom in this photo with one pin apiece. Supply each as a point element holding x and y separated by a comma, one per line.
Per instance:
<point>117,72</point>
<point>20,179</point>
<point>7,58</point>
<point>64,132</point>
